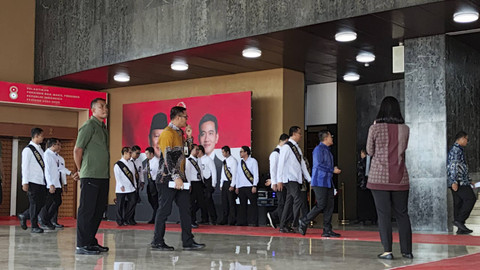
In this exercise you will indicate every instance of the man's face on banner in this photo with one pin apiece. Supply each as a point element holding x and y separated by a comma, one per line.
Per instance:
<point>208,136</point>
<point>154,135</point>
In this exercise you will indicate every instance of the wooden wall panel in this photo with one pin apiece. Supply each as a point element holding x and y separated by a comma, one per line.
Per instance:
<point>7,169</point>
<point>69,205</point>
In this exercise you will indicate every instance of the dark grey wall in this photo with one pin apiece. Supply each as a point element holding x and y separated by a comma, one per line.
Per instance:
<point>76,35</point>
<point>463,97</point>
<point>369,97</point>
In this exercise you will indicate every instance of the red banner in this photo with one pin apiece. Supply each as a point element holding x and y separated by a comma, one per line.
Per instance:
<point>18,93</point>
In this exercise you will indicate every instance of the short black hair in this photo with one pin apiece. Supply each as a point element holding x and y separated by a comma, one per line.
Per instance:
<point>36,131</point>
<point>247,149</point>
<point>175,111</point>
<point>226,148</point>
<point>125,149</point>
<point>149,149</point>
<point>283,137</point>
<point>95,102</point>
<point>201,148</point>
<point>323,134</point>
<point>390,112</point>
<point>460,134</point>
<point>206,118</point>
<point>136,148</point>
<point>51,142</point>
<point>292,130</point>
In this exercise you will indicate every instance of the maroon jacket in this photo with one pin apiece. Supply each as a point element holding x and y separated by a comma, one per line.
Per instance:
<point>386,144</point>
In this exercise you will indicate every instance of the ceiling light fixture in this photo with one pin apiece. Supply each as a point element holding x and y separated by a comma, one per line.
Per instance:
<point>465,16</point>
<point>121,77</point>
<point>351,77</point>
<point>251,53</point>
<point>365,57</point>
<point>345,36</point>
<point>179,65</point>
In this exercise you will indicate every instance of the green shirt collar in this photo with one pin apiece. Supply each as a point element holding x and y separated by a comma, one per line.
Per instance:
<point>98,122</point>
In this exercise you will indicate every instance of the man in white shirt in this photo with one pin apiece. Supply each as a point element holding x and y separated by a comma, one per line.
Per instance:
<point>245,182</point>
<point>54,185</point>
<point>280,191</point>
<point>64,171</point>
<point>33,180</point>
<point>125,189</point>
<point>229,170</point>
<point>152,173</point>
<point>138,173</point>
<point>291,170</point>
<point>193,173</point>
<point>209,173</point>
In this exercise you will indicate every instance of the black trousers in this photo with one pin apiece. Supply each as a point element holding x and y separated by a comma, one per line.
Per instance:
<point>50,210</point>
<point>182,199</point>
<point>36,196</point>
<point>228,204</point>
<point>292,198</point>
<point>197,201</point>
<point>126,203</point>
<point>365,205</point>
<point>396,201</point>
<point>463,202</point>
<point>244,194</point>
<point>93,203</point>
<point>325,203</point>
<point>136,199</point>
<point>209,204</point>
<point>152,196</point>
<point>277,214</point>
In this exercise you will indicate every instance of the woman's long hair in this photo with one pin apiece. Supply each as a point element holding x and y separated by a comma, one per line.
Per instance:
<point>390,112</point>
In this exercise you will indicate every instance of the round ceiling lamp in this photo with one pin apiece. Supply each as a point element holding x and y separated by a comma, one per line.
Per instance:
<point>346,36</point>
<point>251,53</point>
<point>465,16</point>
<point>179,65</point>
<point>365,57</point>
<point>351,77</point>
<point>121,77</point>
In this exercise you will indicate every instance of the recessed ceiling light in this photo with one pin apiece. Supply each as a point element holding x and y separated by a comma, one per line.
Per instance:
<point>345,36</point>
<point>365,57</point>
<point>121,77</point>
<point>251,53</point>
<point>351,77</point>
<point>465,16</point>
<point>179,65</point>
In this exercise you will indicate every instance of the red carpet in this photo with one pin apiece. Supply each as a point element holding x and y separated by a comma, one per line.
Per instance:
<point>471,261</point>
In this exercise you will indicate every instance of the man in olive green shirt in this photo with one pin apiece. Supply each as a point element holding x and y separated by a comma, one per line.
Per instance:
<point>92,158</point>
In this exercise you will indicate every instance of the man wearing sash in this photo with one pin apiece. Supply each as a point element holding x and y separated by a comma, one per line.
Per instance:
<point>280,191</point>
<point>125,188</point>
<point>245,183</point>
<point>33,180</point>
<point>152,173</point>
<point>193,172</point>
<point>229,170</point>
<point>209,173</point>
<point>139,181</point>
<point>291,170</point>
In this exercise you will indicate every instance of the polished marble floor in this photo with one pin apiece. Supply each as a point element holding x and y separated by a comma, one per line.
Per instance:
<point>129,249</point>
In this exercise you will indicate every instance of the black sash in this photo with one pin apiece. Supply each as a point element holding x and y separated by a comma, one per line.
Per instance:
<point>295,151</point>
<point>149,175</point>
<point>126,171</point>
<point>228,174</point>
<point>276,150</point>
<point>195,164</point>
<point>39,159</point>
<point>247,172</point>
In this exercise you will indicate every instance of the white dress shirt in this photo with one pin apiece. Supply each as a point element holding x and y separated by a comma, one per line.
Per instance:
<point>153,163</point>
<point>121,179</point>
<point>274,165</point>
<point>232,167</point>
<point>209,169</point>
<point>241,180</point>
<point>139,165</point>
<point>32,172</point>
<point>289,169</point>
<point>63,170</point>
<point>52,169</point>
<point>190,171</point>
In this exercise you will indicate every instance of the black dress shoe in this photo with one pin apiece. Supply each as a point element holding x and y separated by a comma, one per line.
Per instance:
<point>460,225</point>
<point>23,221</point>
<point>194,246</point>
<point>330,234</point>
<point>47,227</point>
<point>302,227</point>
<point>387,256</point>
<point>162,247</point>
<point>131,222</point>
<point>194,225</point>
<point>37,230</point>
<point>286,230</point>
<point>86,251</point>
<point>460,231</point>
<point>100,248</point>
<point>151,221</point>
<point>203,222</point>
<point>56,225</point>
<point>407,255</point>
